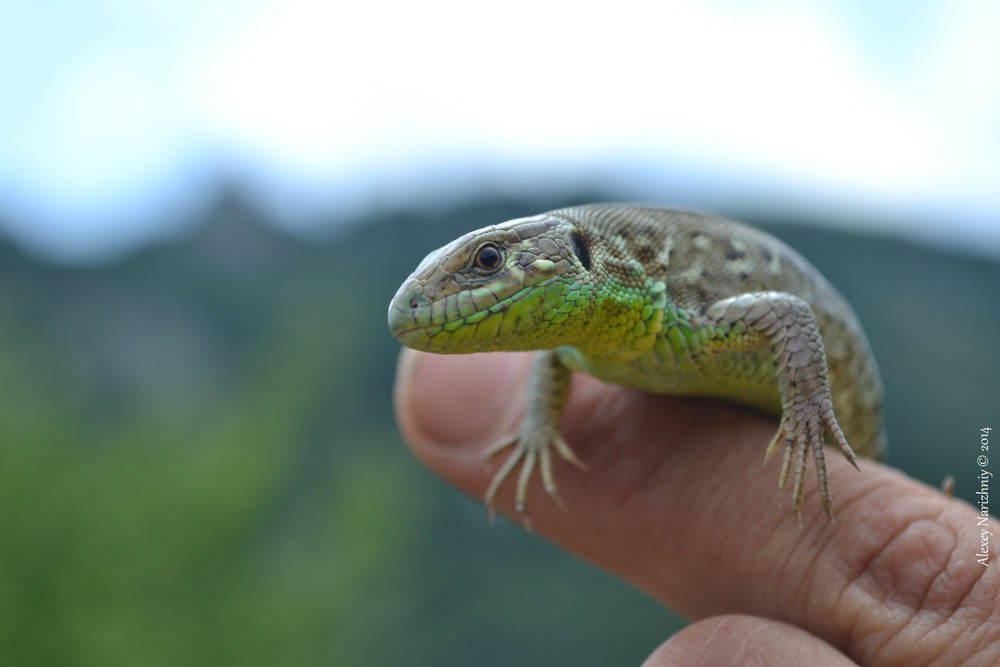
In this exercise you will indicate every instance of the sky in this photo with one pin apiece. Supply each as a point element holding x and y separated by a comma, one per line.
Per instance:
<point>118,117</point>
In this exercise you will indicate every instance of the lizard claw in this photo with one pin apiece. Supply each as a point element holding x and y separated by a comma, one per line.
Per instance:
<point>531,448</point>
<point>798,437</point>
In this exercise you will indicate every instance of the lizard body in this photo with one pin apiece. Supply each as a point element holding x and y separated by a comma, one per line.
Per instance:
<point>660,300</point>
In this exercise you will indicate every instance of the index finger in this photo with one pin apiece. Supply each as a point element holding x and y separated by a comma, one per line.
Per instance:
<point>677,502</point>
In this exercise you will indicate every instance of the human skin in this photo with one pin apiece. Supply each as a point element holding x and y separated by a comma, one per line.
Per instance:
<point>676,502</point>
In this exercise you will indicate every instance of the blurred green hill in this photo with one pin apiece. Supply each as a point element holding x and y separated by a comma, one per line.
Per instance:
<point>199,462</point>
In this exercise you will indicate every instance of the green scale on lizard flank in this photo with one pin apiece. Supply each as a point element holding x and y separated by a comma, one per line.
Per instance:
<point>660,300</point>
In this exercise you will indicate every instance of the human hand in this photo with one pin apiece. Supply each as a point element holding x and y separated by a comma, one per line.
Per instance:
<point>676,502</point>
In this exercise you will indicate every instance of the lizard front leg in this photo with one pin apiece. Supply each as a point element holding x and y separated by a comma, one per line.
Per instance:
<point>548,388</point>
<point>789,326</point>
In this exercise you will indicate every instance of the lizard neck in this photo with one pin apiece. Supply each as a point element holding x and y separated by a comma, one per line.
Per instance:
<point>624,321</point>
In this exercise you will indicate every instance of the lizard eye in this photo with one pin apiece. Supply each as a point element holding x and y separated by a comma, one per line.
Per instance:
<point>488,257</point>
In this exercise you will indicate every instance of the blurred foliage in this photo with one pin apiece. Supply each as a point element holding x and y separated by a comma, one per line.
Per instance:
<point>199,464</point>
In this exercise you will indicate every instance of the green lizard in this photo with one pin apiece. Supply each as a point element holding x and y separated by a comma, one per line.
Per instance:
<point>661,300</point>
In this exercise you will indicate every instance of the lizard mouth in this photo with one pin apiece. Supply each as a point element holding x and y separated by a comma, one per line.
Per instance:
<point>420,321</point>
<point>403,320</point>
<point>412,315</point>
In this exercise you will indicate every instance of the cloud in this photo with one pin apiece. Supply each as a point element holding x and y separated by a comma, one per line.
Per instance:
<point>305,96</point>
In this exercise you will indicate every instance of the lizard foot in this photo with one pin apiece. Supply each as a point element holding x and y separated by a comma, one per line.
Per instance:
<point>802,428</point>
<point>531,447</point>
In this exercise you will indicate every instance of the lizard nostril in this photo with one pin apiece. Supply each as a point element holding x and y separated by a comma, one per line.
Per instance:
<point>414,304</point>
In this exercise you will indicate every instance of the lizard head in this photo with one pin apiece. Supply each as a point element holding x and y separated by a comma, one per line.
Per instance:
<point>509,287</point>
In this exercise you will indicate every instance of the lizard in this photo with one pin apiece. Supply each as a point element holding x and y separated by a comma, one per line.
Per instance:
<point>660,300</point>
